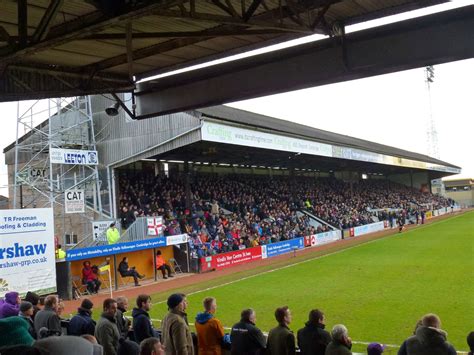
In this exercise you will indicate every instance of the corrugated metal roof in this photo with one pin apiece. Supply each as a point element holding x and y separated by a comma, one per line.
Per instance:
<point>72,45</point>
<point>234,115</point>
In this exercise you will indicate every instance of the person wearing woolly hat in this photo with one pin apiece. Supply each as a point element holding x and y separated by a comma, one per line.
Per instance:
<point>470,343</point>
<point>128,347</point>
<point>175,333</point>
<point>375,349</point>
<point>82,323</point>
<point>26,311</point>
<point>35,300</point>
<point>14,331</point>
<point>11,305</point>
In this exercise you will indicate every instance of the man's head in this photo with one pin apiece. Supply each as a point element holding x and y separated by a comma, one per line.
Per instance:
<point>86,263</point>
<point>122,302</point>
<point>339,333</point>
<point>210,304</point>
<point>151,346</point>
<point>316,317</point>
<point>283,315</point>
<point>144,302</point>
<point>59,246</point>
<point>431,320</point>
<point>177,302</point>
<point>125,259</point>
<point>110,306</point>
<point>470,341</point>
<point>248,316</point>
<point>26,308</point>
<point>51,301</point>
<point>112,225</point>
<point>158,252</point>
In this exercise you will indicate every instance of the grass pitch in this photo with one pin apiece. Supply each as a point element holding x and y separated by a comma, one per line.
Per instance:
<point>378,289</point>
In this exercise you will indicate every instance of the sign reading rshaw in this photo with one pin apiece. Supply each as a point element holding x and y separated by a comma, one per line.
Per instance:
<point>73,157</point>
<point>27,260</point>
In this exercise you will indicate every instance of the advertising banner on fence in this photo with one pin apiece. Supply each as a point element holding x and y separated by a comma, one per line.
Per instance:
<point>322,238</point>
<point>177,239</point>
<point>73,157</point>
<point>233,258</point>
<point>27,260</point>
<point>154,226</point>
<point>119,248</point>
<point>279,248</point>
<point>368,228</point>
<point>74,201</point>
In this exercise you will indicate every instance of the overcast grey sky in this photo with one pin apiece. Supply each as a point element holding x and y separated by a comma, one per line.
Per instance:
<point>390,109</point>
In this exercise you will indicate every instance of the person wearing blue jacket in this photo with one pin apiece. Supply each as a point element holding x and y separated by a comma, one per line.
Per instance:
<point>82,323</point>
<point>142,325</point>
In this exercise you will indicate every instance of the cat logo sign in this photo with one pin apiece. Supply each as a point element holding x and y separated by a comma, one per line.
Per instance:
<point>74,201</point>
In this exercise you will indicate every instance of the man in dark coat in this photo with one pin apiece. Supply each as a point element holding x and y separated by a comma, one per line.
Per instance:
<point>82,323</point>
<point>142,325</point>
<point>48,317</point>
<point>123,323</point>
<point>313,339</point>
<point>341,344</point>
<point>429,339</point>
<point>281,340</point>
<point>245,337</point>
<point>106,331</point>
<point>125,271</point>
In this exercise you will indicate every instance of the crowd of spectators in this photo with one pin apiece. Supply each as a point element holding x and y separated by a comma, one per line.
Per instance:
<point>234,212</point>
<point>115,333</point>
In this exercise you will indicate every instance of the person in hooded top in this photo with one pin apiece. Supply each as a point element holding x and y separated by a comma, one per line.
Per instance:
<point>429,339</point>
<point>313,339</point>
<point>11,305</point>
<point>82,323</point>
<point>209,329</point>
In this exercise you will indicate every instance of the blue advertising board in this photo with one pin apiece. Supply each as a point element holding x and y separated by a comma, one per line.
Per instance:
<point>279,248</point>
<point>103,250</point>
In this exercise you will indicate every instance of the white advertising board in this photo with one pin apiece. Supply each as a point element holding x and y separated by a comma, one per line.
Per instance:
<point>27,259</point>
<point>325,237</point>
<point>177,239</point>
<point>99,229</point>
<point>216,132</point>
<point>74,201</point>
<point>368,228</point>
<point>73,157</point>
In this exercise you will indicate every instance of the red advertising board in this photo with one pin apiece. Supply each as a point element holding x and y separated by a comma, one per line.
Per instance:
<point>233,258</point>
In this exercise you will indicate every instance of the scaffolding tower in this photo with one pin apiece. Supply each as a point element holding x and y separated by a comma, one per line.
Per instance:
<point>47,125</point>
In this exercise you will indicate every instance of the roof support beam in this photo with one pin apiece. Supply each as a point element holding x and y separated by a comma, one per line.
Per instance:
<point>433,39</point>
<point>22,23</point>
<point>45,23</point>
<point>250,11</point>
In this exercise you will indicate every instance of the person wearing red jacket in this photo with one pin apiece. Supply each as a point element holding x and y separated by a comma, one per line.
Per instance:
<point>89,278</point>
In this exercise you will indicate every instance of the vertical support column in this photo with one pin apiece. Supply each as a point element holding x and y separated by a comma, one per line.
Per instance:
<point>22,23</point>
<point>411,178</point>
<point>115,272</point>
<point>154,264</point>
<point>187,183</point>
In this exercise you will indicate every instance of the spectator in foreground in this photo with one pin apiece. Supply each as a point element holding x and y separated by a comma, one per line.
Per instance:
<point>176,335</point>
<point>429,338</point>
<point>375,349</point>
<point>341,344</point>
<point>26,311</point>
<point>128,347</point>
<point>209,329</point>
<point>151,346</point>
<point>245,337</point>
<point>123,323</point>
<point>106,331</point>
<point>14,331</point>
<point>142,325</point>
<point>10,305</point>
<point>82,323</point>
<point>125,271</point>
<point>470,343</point>
<point>67,345</point>
<point>48,317</point>
<point>281,340</point>
<point>34,299</point>
<point>162,265</point>
<point>313,339</point>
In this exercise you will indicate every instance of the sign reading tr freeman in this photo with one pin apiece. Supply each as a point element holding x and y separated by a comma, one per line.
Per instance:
<point>27,260</point>
<point>73,157</point>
